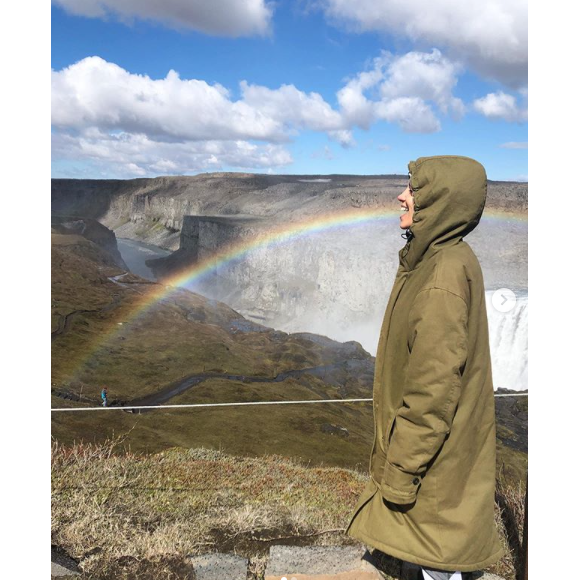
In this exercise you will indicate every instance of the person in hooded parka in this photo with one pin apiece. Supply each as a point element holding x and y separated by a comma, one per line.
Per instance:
<point>430,498</point>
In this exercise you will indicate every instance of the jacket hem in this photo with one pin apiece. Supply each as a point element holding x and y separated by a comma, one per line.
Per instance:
<point>401,555</point>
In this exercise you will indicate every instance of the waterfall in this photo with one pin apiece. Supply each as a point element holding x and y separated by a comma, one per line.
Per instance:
<point>508,338</point>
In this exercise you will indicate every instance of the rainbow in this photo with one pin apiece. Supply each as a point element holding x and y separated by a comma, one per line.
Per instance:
<point>279,235</point>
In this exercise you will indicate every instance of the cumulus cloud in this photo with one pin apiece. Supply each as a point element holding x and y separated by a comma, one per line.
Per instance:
<point>428,76</point>
<point>289,107</point>
<point>126,155</point>
<point>107,112</point>
<point>218,17</point>
<point>356,108</point>
<point>502,106</point>
<point>411,113</point>
<point>490,36</point>
<point>402,90</point>
<point>96,93</point>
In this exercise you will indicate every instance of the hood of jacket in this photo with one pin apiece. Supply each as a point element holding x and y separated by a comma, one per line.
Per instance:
<point>450,193</point>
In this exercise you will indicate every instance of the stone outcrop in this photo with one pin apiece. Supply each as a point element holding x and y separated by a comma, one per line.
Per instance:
<point>91,230</point>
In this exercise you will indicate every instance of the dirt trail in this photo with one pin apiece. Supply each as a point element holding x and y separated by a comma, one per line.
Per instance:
<point>65,321</point>
<point>178,387</point>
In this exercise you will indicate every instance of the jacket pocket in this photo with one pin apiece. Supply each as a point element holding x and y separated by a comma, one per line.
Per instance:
<point>390,431</point>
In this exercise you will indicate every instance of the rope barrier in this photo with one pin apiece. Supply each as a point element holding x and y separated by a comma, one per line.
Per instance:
<point>250,404</point>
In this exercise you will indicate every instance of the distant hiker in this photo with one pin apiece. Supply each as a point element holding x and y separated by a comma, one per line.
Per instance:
<point>104,396</point>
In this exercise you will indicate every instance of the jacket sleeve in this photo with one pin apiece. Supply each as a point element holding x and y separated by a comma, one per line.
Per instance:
<point>437,342</point>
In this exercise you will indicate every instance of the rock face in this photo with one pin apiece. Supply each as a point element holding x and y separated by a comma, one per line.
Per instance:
<point>93,231</point>
<point>204,234</point>
<point>153,209</point>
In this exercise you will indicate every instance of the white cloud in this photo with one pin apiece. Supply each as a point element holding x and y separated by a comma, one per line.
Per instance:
<point>288,107</point>
<point>428,76</point>
<point>515,145</point>
<point>131,155</point>
<point>411,113</point>
<point>355,106</point>
<point>400,89</point>
<point>96,93</point>
<point>500,105</point>
<point>175,125</point>
<point>490,36</point>
<point>219,17</point>
<point>140,126</point>
<point>344,137</point>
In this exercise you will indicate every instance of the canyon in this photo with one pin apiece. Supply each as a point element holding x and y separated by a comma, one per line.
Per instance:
<point>332,280</point>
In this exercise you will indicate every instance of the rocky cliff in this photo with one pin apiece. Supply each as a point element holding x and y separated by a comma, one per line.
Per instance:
<point>91,230</point>
<point>152,209</point>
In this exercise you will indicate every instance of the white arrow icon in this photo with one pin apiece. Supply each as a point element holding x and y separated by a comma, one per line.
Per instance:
<point>503,300</point>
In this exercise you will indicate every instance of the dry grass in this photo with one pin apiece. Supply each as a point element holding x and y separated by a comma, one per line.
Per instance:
<point>125,515</point>
<point>510,501</point>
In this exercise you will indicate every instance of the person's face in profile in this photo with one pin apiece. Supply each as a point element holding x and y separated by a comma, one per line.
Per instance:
<point>407,207</point>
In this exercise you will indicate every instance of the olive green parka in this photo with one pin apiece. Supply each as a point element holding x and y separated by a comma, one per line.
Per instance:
<point>430,499</point>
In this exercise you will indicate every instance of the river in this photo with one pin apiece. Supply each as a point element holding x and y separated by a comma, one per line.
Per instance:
<point>135,253</point>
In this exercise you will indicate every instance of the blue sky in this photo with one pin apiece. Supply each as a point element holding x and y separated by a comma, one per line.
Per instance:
<point>324,86</point>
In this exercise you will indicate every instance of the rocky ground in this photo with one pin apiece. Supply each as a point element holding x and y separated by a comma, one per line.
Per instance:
<point>283,562</point>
